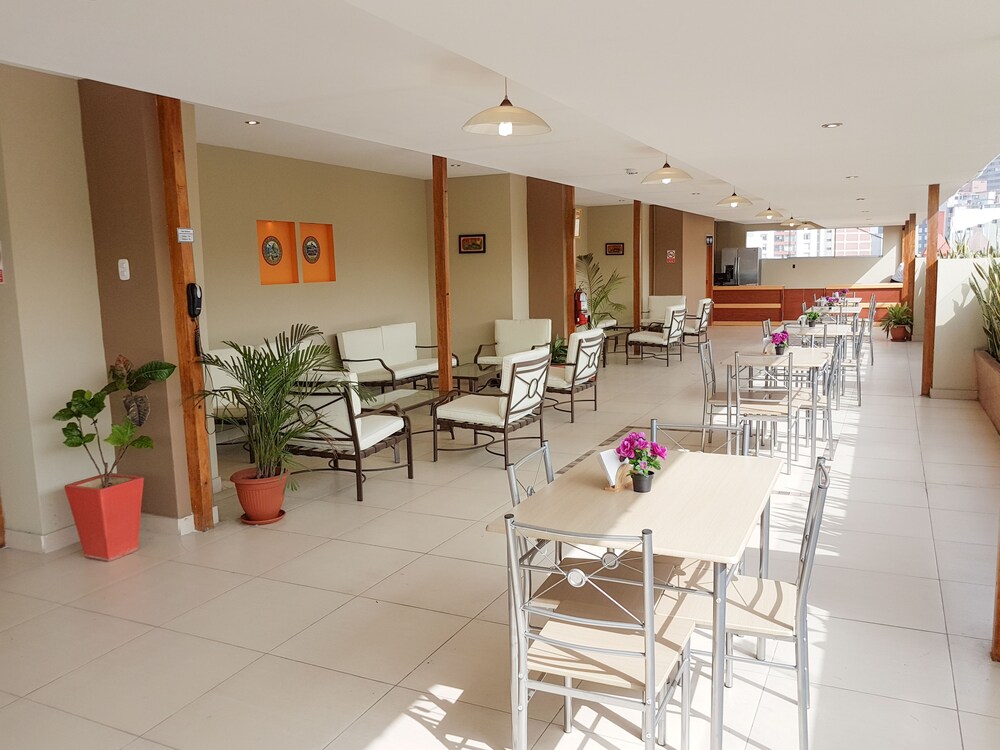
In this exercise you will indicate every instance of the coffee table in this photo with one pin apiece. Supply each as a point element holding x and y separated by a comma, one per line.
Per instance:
<point>406,399</point>
<point>616,333</point>
<point>476,377</point>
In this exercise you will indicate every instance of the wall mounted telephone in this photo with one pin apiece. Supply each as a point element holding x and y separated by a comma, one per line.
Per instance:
<point>194,300</point>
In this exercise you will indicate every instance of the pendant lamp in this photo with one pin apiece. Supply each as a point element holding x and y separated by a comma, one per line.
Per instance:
<point>665,175</point>
<point>769,214</point>
<point>734,201</point>
<point>506,119</point>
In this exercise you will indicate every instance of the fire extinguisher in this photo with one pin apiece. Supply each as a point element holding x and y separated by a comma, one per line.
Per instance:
<point>580,307</point>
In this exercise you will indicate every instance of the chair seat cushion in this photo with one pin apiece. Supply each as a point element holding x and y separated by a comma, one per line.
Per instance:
<point>482,410</point>
<point>489,359</point>
<point>372,429</point>
<point>558,377</point>
<point>756,606</point>
<point>412,369</point>
<point>692,328</point>
<point>647,337</point>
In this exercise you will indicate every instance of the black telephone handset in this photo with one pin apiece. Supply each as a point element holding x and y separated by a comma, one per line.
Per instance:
<point>194,300</point>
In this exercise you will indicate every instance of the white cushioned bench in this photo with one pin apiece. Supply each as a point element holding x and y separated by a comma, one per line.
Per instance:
<point>387,355</point>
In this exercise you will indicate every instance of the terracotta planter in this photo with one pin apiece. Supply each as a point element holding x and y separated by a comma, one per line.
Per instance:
<point>899,333</point>
<point>261,499</point>
<point>107,518</point>
<point>642,482</point>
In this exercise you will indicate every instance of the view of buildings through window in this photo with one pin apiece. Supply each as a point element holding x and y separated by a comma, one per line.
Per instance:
<point>849,242</point>
<point>971,215</point>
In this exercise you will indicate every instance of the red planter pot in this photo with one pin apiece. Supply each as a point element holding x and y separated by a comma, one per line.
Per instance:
<point>261,499</point>
<point>107,518</point>
<point>899,333</point>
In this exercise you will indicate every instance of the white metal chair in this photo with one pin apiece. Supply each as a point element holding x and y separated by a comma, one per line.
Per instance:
<point>583,356</point>
<point>765,392</point>
<point>768,608</point>
<point>522,386</point>
<point>520,485</point>
<point>661,338</point>
<point>610,637</point>
<point>715,402</point>
<point>869,327</point>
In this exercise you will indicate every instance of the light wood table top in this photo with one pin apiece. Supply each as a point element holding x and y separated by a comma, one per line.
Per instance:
<point>803,357</point>
<point>838,309</point>
<point>702,505</point>
<point>832,329</point>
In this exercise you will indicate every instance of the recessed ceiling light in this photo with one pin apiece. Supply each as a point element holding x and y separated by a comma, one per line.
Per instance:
<point>630,171</point>
<point>695,193</point>
<point>831,125</point>
<point>252,122</point>
<point>456,165</point>
<point>851,177</point>
<point>859,199</point>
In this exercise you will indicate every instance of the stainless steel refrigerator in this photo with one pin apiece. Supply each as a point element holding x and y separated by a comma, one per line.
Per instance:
<point>738,265</point>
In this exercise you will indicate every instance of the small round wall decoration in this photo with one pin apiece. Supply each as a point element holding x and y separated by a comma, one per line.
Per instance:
<point>270,248</point>
<point>310,249</point>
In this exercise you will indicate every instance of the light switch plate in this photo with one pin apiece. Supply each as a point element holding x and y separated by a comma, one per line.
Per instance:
<point>123,270</point>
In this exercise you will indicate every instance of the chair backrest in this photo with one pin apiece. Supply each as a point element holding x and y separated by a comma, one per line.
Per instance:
<point>522,379</point>
<point>704,313</point>
<point>523,476</point>
<point>658,305</point>
<point>620,624</point>
<point>707,369</point>
<point>765,328</point>
<point>332,412</point>
<point>691,437</point>
<point>762,380</point>
<point>216,378</point>
<point>673,324</point>
<point>810,534</point>
<point>583,352</point>
<point>514,336</point>
<point>399,343</point>
<point>871,310</point>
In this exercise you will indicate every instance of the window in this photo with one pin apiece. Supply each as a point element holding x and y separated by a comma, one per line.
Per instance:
<point>849,242</point>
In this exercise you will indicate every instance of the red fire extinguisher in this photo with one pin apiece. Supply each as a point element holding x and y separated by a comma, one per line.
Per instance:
<point>580,307</point>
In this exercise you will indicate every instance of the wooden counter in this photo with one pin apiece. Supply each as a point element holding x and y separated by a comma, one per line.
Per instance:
<point>748,305</point>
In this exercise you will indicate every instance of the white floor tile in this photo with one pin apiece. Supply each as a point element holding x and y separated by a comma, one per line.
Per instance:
<point>26,724</point>
<point>966,563</point>
<point>311,707</point>
<point>326,519</point>
<point>15,609</point>
<point>980,732</point>
<point>63,579</point>
<point>251,552</point>
<point>342,566</point>
<point>967,528</point>
<point>417,532</point>
<point>968,608</point>
<point>475,543</point>
<point>977,677</point>
<point>970,499</point>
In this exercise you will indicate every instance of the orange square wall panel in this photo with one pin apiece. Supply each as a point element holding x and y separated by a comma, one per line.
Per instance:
<point>316,249</point>
<point>277,254</point>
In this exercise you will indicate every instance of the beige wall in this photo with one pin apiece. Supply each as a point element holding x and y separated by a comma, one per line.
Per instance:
<point>50,321</point>
<point>919,297</point>
<point>380,238</point>
<point>731,234</point>
<point>958,332</point>
<point>694,249</point>
<point>612,224</point>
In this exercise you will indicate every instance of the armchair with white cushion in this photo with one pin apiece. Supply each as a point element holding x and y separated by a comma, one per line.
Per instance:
<point>351,435</point>
<point>696,326</point>
<point>657,306</point>
<point>513,337</point>
<point>387,356</point>
<point>583,353</point>
<point>660,337</point>
<point>522,386</point>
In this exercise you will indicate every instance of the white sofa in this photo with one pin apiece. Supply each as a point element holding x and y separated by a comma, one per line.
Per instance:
<point>656,308</point>
<point>386,356</point>
<point>514,337</point>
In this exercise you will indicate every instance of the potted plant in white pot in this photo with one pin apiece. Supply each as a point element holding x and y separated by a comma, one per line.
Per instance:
<point>270,386</point>
<point>107,508</point>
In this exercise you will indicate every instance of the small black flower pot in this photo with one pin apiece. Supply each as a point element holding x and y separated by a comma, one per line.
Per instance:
<point>642,482</point>
<point>779,348</point>
<point>811,323</point>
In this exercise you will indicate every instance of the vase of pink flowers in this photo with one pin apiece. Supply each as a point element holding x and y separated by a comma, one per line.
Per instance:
<point>780,341</point>
<point>643,456</point>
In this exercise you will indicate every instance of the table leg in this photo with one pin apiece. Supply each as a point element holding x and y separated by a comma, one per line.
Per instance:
<point>721,571</point>
<point>765,549</point>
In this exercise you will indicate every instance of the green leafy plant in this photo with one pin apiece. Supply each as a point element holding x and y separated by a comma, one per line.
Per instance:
<point>599,291</point>
<point>558,349</point>
<point>986,287</point>
<point>271,386</point>
<point>82,411</point>
<point>897,315</point>
<point>813,315</point>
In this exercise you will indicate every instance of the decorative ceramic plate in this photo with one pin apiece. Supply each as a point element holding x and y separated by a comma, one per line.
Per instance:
<point>270,248</point>
<point>310,249</point>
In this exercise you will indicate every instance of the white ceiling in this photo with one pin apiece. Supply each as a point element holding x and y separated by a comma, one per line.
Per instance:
<point>734,93</point>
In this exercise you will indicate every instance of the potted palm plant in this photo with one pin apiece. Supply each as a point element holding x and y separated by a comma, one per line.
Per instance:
<point>107,507</point>
<point>602,307</point>
<point>270,386</point>
<point>898,322</point>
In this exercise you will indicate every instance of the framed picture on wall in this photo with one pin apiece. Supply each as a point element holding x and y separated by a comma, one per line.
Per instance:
<point>472,243</point>
<point>614,248</point>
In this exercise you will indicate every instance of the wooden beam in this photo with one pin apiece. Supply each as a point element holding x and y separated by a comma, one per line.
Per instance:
<point>930,286</point>
<point>3,532</point>
<point>636,264</point>
<point>442,272</point>
<point>995,652</point>
<point>909,259</point>
<point>569,241</point>
<point>182,273</point>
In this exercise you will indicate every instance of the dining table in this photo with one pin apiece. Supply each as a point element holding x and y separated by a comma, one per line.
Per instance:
<point>702,506</point>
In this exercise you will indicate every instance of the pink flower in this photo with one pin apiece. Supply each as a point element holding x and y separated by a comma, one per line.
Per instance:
<point>658,450</point>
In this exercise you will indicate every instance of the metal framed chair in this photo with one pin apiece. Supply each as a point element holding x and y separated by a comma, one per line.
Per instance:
<point>353,436</point>
<point>662,338</point>
<point>522,386</point>
<point>869,327</point>
<point>768,608</point>
<point>765,392</point>
<point>607,637</point>
<point>851,359</point>
<point>517,473</point>
<point>714,402</point>
<point>696,326</point>
<point>583,356</point>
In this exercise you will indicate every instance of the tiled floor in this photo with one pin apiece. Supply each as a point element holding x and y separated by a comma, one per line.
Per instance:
<point>383,626</point>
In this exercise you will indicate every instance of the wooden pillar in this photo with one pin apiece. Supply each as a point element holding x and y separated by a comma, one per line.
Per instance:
<point>930,287</point>
<point>3,533</point>
<point>710,272</point>
<point>995,652</point>
<point>182,273</point>
<point>442,272</point>
<point>569,240</point>
<point>636,264</point>
<point>909,259</point>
